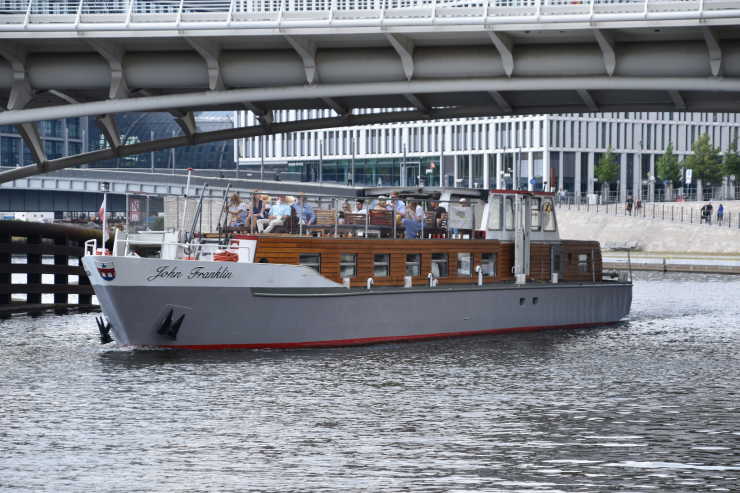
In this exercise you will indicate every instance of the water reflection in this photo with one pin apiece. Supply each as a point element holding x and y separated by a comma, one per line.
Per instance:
<point>651,403</point>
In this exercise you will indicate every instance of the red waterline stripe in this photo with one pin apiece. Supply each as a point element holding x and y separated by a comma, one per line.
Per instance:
<point>377,340</point>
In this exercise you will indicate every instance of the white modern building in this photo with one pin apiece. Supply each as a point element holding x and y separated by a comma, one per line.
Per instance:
<point>550,152</point>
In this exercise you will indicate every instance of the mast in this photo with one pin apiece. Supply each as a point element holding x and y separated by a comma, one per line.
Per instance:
<point>521,237</point>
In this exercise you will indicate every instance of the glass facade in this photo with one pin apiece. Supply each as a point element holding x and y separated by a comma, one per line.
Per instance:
<point>537,152</point>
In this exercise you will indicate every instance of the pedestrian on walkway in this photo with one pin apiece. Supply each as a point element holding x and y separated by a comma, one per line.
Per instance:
<point>628,205</point>
<point>720,214</point>
<point>710,210</point>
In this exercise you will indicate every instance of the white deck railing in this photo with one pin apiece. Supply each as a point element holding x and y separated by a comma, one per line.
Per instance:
<point>215,13</point>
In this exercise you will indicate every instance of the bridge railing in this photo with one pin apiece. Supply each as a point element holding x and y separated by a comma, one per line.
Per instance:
<point>127,12</point>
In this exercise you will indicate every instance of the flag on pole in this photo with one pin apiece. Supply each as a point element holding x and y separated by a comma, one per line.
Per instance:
<point>101,215</point>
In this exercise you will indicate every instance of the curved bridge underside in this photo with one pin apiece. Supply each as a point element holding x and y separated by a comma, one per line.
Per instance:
<point>466,63</point>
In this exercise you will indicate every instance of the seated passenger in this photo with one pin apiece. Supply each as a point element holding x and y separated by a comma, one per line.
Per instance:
<point>278,214</point>
<point>304,211</point>
<point>412,220</point>
<point>359,207</point>
<point>237,211</point>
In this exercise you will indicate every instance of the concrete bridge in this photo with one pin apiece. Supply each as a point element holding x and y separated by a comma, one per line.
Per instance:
<point>370,61</point>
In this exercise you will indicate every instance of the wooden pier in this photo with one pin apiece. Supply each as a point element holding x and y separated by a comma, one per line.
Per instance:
<point>34,241</point>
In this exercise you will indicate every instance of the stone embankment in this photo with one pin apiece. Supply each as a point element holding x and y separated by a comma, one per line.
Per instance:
<point>659,243</point>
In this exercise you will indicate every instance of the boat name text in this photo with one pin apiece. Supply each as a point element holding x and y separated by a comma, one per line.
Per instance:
<point>167,272</point>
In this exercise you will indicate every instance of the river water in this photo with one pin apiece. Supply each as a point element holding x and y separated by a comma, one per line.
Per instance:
<point>651,404</point>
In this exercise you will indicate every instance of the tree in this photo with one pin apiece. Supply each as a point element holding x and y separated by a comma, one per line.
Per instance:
<point>731,162</point>
<point>705,161</point>
<point>667,167</point>
<point>607,169</point>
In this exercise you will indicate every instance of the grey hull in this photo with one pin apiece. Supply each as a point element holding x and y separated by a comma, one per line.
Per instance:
<point>222,317</point>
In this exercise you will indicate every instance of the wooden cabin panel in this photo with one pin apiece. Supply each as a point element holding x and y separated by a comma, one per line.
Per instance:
<point>539,261</point>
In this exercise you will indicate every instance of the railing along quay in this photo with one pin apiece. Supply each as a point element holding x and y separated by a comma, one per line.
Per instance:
<point>662,211</point>
<point>152,14</point>
<point>32,242</point>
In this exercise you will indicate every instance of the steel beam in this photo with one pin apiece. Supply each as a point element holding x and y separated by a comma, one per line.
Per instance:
<point>405,49</point>
<point>210,51</point>
<point>606,44</point>
<point>500,101</point>
<point>113,54</point>
<point>338,108</point>
<point>715,51</point>
<point>20,91</point>
<point>33,141</point>
<point>186,122</point>
<point>588,100</point>
<point>306,49</point>
<point>678,100</point>
<point>234,98</point>
<point>417,103</point>
<point>108,126</point>
<point>250,131</point>
<point>505,47</point>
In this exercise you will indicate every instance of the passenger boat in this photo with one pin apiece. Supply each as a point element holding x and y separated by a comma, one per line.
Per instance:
<point>500,267</point>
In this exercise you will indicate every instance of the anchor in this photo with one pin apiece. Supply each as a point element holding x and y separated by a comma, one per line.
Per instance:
<point>168,328</point>
<point>104,328</point>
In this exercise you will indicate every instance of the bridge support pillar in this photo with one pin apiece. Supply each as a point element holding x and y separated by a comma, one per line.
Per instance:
<point>530,171</point>
<point>637,177</point>
<point>83,299</point>
<point>499,171</point>
<point>486,172</point>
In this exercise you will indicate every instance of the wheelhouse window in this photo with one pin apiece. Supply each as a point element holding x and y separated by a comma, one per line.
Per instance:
<point>488,264</point>
<point>548,215</point>
<point>413,264</point>
<point>439,265</point>
<point>348,265</point>
<point>494,213</point>
<point>381,264</point>
<point>509,213</point>
<point>583,262</point>
<point>312,260</point>
<point>535,219</point>
<point>463,264</point>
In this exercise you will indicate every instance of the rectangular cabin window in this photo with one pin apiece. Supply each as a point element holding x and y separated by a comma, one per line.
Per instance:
<point>348,265</point>
<point>509,213</point>
<point>548,215</point>
<point>463,264</point>
<point>488,264</point>
<point>439,265</point>
<point>535,223</point>
<point>583,262</point>
<point>413,264</point>
<point>312,260</point>
<point>494,213</point>
<point>381,264</point>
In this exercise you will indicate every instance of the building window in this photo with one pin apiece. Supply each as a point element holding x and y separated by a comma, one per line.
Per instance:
<point>535,220</point>
<point>348,265</point>
<point>439,265</point>
<point>464,261</point>
<point>413,264</point>
<point>381,264</point>
<point>488,264</point>
<point>312,260</point>
<point>583,262</point>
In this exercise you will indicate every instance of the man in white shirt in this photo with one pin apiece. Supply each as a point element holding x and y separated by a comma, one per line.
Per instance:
<point>278,214</point>
<point>359,207</point>
<point>399,204</point>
